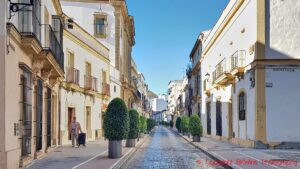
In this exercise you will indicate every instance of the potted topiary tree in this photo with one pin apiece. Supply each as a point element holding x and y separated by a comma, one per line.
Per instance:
<point>142,126</point>
<point>116,125</point>
<point>178,124</point>
<point>195,127</point>
<point>150,125</point>
<point>133,128</point>
<point>184,125</point>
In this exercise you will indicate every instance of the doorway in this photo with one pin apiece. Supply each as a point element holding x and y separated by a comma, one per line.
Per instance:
<point>71,114</point>
<point>208,119</point>
<point>88,122</point>
<point>49,94</point>
<point>219,118</point>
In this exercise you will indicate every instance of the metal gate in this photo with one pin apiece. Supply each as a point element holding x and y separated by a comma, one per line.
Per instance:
<point>39,115</point>
<point>27,110</point>
<point>219,118</point>
<point>49,117</point>
<point>208,118</point>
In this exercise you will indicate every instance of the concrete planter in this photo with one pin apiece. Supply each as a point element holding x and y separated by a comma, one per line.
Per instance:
<point>196,138</point>
<point>130,142</point>
<point>141,135</point>
<point>115,149</point>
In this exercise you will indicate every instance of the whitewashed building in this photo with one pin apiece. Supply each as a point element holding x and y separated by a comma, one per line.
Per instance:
<point>86,90</point>
<point>108,21</point>
<point>174,91</point>
<point>250,74</point>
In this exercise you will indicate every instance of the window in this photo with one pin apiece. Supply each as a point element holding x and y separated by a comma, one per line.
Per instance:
<point>115,88</point>
<point>242,106</point>
<point>100,26</point>
<point>26,110</point>
<point>70,59</point>
<point>104,78</point>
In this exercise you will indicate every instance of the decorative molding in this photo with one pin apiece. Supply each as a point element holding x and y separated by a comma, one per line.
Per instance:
<point>76,40</point>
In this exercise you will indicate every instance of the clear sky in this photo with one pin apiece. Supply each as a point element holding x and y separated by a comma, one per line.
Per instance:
<point>166,31</point>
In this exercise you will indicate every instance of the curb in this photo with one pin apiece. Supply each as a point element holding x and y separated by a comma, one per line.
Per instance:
<point>130,153</point>
<point>206,152</point>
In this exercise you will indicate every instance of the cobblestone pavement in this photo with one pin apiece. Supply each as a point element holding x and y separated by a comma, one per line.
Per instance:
<point>66,157</point>
<point>165,150</point>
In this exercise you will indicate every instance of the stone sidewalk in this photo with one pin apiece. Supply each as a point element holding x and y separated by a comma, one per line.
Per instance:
<point>93,156</point>
<point>243,158</point>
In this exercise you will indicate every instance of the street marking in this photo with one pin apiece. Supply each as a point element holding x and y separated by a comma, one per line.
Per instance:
<point>256,159</point>
<point>121,158</point>
<point>90,159</point>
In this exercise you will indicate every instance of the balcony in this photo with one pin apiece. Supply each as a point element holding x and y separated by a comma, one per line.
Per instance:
<point>90,83</point>
<point>73,75</point>
<point>238,62</point>
<point>29,26</point>
<point>220,74</point>
<point>105,89</point>
<point>53,45</point>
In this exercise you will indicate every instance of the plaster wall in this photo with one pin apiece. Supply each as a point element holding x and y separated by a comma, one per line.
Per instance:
<point>282,104</point>
<point>282,30</point>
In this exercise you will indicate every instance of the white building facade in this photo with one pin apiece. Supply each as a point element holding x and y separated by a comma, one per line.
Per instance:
<point>250,74</point>
<point>85,91</point>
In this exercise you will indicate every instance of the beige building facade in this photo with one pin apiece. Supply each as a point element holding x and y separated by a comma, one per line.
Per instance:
<point>32,68</point>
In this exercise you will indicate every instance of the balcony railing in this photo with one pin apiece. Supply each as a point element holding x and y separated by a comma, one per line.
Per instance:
<point>73,75</point>
<point>106,89</point>
<point>52,44</point>
<point>29,21</point>
<point>90,83</point>
<point>220,68</point>
<point>237,59</point>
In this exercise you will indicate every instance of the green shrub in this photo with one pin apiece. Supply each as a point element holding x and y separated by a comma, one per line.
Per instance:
<point>150,124</point>
<point>133,124</point>
<point>171,124</point>
<point>195,125</point>
<point>116,121</point>
<point>184,125</point>
<point>142,124</point>
<point>178,124</point>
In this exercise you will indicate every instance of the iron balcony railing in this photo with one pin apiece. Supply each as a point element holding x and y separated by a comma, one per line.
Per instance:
<point>238,59</point>
<point>52,44</point>
<point>73,75</point>
<point>106,89</point>
<point>29,21</point>
<point>220,69</point>
<point>90,83</point>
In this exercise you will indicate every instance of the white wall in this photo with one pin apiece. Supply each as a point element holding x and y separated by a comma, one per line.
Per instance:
<point>244,129</point>
<point>282,104</point>
<point>283,35</point>
<point>159,104</point>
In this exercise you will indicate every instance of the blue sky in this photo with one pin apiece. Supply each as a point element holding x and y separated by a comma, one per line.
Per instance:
<point>166,31</point>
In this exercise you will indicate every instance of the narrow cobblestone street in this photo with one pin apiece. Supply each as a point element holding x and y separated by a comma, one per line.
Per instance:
<point>164,149</point>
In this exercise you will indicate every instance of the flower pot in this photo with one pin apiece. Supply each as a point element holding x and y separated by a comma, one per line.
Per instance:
<point>115,148</point>
<point>196,138</point>
<point>130,142</point>
<point>141,135</point>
